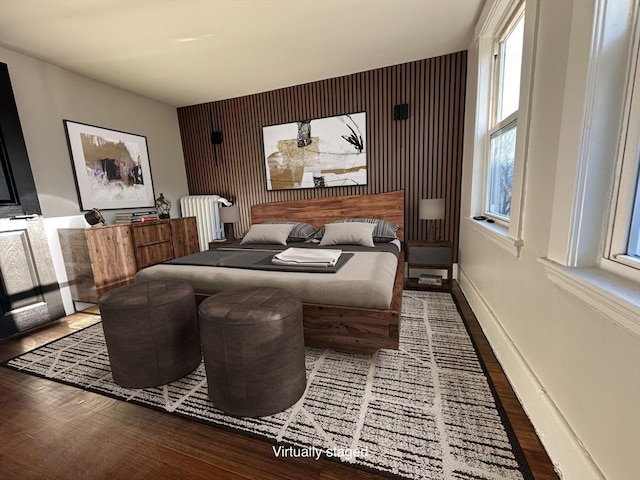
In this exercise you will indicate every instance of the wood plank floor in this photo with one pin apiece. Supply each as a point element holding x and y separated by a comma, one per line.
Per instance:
<point>53,431</point>
<point>534,452</point>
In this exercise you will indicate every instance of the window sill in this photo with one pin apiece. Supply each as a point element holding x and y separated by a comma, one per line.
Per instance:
<point>611,295</point>
<point>499,234</point>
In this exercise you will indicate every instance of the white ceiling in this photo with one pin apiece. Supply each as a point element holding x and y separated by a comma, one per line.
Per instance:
<point>184,52</point>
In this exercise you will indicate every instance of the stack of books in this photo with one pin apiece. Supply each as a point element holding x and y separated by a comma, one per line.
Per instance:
<point>426,279</point>
<point>134,217</point>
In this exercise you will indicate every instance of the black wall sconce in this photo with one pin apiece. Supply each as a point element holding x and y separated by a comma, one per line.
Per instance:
<point>401,112</point>
<point>216,138</point>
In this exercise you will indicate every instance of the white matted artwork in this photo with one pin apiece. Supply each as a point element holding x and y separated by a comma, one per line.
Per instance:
<point>326,152</point>
<point>111,168</point>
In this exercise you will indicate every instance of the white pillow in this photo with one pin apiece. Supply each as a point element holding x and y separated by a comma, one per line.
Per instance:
<point>352,233</point>
<point>268,233</point>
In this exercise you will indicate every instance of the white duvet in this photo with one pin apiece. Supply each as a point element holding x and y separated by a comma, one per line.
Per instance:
<point>365,281</point>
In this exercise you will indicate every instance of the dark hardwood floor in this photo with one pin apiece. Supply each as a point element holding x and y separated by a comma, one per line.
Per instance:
<point>53,431</point>
<point>533,450</point>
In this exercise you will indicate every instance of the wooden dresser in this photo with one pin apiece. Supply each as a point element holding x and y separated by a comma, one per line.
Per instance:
<point>99,259</point>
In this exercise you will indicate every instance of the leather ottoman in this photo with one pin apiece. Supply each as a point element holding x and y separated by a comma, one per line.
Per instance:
<point>253,347</point>
<point>151,330</point>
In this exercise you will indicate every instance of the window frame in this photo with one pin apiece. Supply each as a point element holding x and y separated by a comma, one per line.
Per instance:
<point>596,104</point>
<point>502,126</point>
<point>15,151</point>
<point>626,188</point>
<point>506,28</point>
<point>494,23</point>
<point>496,126</point>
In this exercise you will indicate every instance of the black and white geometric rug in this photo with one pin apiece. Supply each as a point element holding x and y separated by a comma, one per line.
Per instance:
<point>425,411</point>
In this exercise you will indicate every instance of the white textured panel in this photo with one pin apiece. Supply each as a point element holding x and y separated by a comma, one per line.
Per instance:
<point>205,209</point>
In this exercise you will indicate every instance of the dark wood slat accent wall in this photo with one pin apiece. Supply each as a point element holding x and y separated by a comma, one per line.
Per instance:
<point>422,155</point>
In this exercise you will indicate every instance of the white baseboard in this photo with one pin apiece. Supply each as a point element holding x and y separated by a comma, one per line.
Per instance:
<point>570,458</point>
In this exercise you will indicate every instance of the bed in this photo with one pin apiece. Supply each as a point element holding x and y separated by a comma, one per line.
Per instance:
<point>334,314</point>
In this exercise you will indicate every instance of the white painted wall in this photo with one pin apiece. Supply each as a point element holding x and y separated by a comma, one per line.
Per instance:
<point>576,372</point>
<point>45,96</point>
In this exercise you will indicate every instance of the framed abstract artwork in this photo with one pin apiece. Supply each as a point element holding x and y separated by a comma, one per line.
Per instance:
<point>326,152</point>
<point>111,168</point>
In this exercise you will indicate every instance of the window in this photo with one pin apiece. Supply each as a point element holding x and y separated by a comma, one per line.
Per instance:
<point>17,188</point>
<point>633,246</point>
<point>505,43</point>
<point>592,251</point>
<point>504,119</point>
<point>7,187</point>
<point>624,239</point>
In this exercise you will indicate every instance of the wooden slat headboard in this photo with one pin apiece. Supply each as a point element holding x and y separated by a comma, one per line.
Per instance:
<point>318,211</point>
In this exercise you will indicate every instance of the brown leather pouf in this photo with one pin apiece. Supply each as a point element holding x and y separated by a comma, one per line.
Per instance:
<point>253,346</point>
<point>151,329</point>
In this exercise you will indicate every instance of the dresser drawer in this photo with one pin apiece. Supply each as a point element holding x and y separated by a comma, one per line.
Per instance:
<point>150,233</point>
<point>151,254</point>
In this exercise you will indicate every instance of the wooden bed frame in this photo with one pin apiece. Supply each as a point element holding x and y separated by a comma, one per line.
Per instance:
<point>360,330</point>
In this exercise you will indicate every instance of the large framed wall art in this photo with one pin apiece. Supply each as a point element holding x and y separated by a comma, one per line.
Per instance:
<point>326,152</point>
<point>111,168</point>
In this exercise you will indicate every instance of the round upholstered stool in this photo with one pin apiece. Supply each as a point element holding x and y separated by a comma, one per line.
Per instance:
<point>152,334</point>
<point>253,347</point>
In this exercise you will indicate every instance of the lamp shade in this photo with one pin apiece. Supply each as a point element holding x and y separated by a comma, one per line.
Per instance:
<point>431,209</point>
<point>229,214</point>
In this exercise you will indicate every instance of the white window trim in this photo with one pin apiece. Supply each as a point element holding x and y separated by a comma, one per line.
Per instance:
<point>593,112</point>
<point>493,16</point>
<point>496,233</point>
<point>613,296</point>
<point>623,198</point>
<point>591,124</point>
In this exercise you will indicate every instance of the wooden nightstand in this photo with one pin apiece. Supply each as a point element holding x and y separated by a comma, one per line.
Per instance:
<point>430,256</point>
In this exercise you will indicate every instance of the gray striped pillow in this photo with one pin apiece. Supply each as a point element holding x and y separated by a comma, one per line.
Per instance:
<point>383,232</point>
<point>301,231</point>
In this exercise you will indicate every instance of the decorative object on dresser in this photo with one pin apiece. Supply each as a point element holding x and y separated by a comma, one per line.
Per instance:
<point>100,259</point>
<point>229,214</point>
<point>135,217</point>
<point>94,217</point>
<point>325,152</point>
<point>111,168</point>
<point>432,209</point>
<point>430,256</point>
<point>163,206</point>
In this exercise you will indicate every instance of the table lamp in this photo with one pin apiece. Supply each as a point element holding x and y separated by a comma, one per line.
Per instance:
<point>229,215</point>
<point>431,209</point>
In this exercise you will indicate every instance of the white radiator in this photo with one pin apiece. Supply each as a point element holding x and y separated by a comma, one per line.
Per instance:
<point>205,209</point>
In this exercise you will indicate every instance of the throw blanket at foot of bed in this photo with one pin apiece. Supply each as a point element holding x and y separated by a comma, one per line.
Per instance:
<point>255,260</point>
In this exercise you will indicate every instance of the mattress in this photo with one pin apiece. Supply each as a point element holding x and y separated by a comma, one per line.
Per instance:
<point>365,281</point>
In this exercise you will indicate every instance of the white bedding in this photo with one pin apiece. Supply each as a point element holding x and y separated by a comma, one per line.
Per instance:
<point>365,281</point>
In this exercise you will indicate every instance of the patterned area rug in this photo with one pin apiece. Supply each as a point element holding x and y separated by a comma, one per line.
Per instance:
<point>425,411</point>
